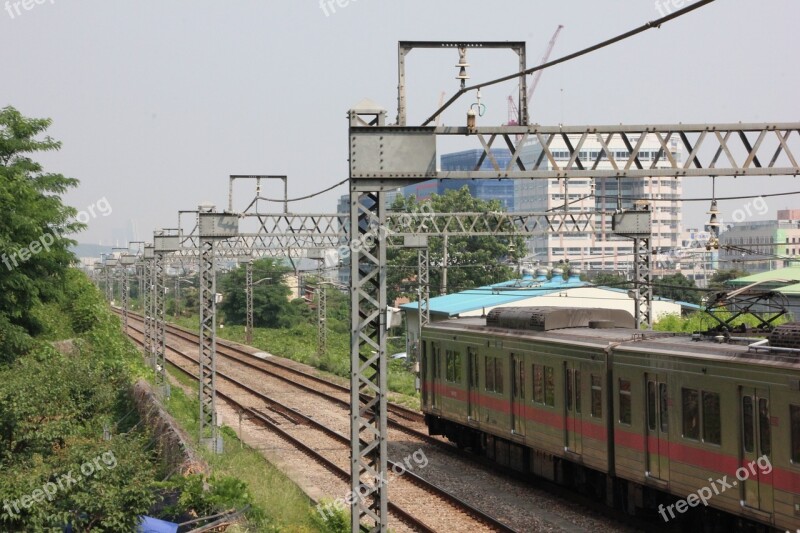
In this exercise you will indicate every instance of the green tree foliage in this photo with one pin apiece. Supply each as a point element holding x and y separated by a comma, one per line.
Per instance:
<point>677,287</point>
<point>472,261</point>
<point>30,200</point>
<point>721,277</point>
<point>63,410</point>
<point>271,305</point>
<point>610,280</point>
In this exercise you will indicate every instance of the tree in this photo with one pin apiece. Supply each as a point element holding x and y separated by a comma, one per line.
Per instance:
<point>34,249</point>
<point>271,305</point>
<point>610,280</point>
<point>677,287</point>
<point>721,277</point>
<point>472,261</point>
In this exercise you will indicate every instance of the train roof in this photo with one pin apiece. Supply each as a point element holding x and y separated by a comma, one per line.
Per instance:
<point>626,339</point>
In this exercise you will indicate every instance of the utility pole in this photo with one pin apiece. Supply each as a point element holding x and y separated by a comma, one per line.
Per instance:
<point>249,297</point>
<point>212,228</point>
<point>147,304</point>
<point>444,265</point>
<point>164,242</point>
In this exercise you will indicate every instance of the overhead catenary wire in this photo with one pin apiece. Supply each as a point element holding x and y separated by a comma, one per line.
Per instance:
<point>648,26</point>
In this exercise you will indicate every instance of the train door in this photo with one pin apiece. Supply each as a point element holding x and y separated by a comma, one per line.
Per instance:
<point>473,385</point>
<point>425,373</point>
<point>518,394</point>
<point>756,446</point>
<point>656,443</point>
<point>436,366</point>
<point>573,415</point>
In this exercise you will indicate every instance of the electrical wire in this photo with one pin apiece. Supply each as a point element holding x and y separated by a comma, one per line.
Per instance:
<point>284,200</point>
<point>650,25</point>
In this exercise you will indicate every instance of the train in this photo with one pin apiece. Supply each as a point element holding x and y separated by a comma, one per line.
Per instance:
<point>674,427</point>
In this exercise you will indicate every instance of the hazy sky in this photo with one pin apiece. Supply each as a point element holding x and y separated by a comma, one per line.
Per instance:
<point>158,102</point>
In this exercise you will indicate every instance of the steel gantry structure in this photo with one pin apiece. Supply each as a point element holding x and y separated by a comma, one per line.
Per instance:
<point>384,157</point>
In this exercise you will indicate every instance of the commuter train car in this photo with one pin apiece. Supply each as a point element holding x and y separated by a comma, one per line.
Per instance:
<point>643,419</point>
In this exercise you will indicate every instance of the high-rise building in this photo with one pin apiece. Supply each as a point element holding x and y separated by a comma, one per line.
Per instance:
<point>599,249</point>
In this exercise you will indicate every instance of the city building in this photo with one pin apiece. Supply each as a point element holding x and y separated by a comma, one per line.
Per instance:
<point>600,249</point>
<point>762,245</point>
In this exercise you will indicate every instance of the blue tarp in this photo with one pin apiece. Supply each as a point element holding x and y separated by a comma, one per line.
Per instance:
<point>154,525</point>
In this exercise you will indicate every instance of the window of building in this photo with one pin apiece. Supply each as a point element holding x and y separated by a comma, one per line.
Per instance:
<point>794,422</point>
<point>712,424</point>
<point>597,396</point>
<point>624,401</point>
<point>453,366</point>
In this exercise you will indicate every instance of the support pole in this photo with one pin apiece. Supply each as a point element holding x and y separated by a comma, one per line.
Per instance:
<point>208,346</point>
<point>643,282</point>
<point>147,307</point>
<point>249,297</point>
<point>423,271</point>
<point>159,330</point>
<point>322,317</point>
<point>368,361</point>
<point>444,265</point>
<point>125,298</point>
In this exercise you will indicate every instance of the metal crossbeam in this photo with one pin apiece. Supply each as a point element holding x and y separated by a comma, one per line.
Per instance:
<point>410,153</point>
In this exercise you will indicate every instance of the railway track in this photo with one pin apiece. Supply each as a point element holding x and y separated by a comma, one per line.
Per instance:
<point>533,504</point>
<point>434,497</point>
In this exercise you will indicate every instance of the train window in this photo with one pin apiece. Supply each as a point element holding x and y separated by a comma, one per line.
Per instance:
<point>624,401</point>
<point>520,377</point>
<point>453,364</point>
<point>549,386</point>
<point>662,393</point>
<point>712,424</point>
<point>437,363</point>
<point>577,391</point>
<point>763,426</point>
<point>794,421</point>
<point>691,414</point>
<point>597,396</point>
<point>474,371</point>
<point>747,423</point>
<point>651,405</point>
<point>498,375</point>
<point>538,384</point>
<point>568,383</point>
<point>489,373</point>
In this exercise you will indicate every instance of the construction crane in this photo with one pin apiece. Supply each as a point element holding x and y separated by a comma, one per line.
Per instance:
<point>441,103</point>
<point>513,110</point>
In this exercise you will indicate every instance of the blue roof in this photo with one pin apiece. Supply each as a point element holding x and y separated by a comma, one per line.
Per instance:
<point>509,292</point>
<point>497,294</point>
